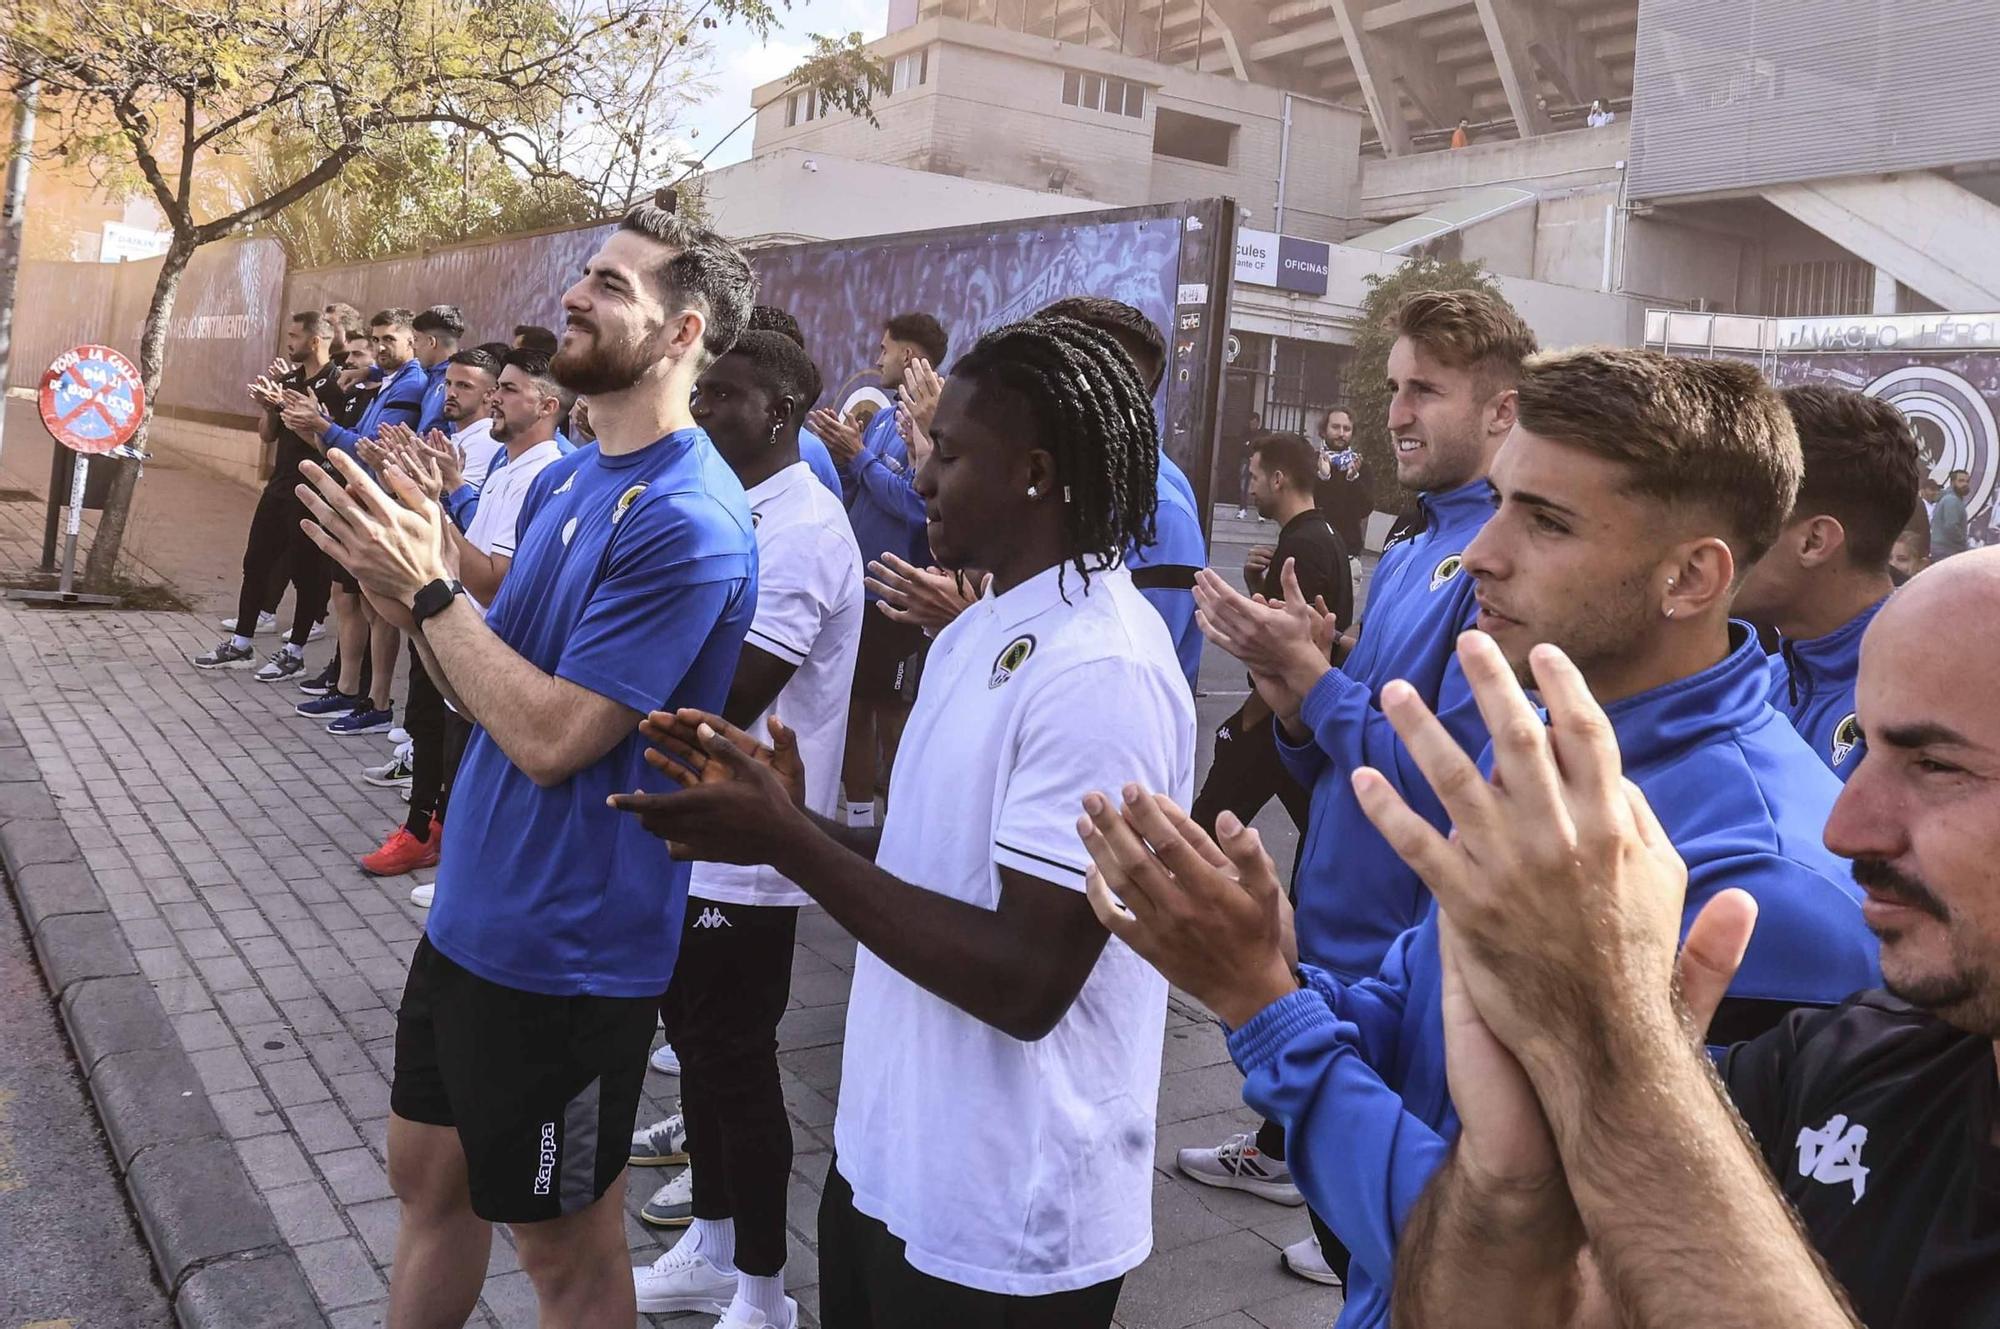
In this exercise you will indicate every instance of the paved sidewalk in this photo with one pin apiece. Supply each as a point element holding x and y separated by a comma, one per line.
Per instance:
<point>224,831</point>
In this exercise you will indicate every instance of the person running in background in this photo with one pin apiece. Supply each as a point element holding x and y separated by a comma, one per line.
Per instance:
<point>1041,1044</point>
<point>732,980</point>
<point>1823,582</point>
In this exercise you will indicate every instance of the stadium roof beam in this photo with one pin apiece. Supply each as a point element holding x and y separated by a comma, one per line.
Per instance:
<point>1522,35</point>
<point>1382,65</point>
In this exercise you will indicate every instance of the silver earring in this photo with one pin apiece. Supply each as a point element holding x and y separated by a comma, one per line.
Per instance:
<point>1065,493</point>
<point>1670,611</point>
<point>1033,492</point>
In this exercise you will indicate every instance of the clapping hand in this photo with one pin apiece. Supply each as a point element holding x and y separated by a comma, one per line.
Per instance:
<point>928,597</point>
<point>842,439</point>
<point>738,800</point>
<point>916,439</point>
<point>920,391</point>
<point>1278,641</point>
<point>302,414</point>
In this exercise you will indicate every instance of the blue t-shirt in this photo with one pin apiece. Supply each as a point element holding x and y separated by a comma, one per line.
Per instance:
<point>636,577</point>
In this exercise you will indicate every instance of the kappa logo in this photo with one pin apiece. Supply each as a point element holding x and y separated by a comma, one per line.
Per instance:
<point>546,1171</point>
<point>1010,660</point>
<point>1446,570</point>
<point>1846,738</point>
<point>625,500</point>
<point>564,487</point>
<point>712,917</point>
<point>1832,1154</point>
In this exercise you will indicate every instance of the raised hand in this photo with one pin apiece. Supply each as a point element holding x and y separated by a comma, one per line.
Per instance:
<point>842,439</point>
<point>739,802</point>
<point>388,535</point>
<point>920,391</point>
<point>1210,917</point>
<point>916,439</point>
<point>1276,641</point>
<point>928,597</point>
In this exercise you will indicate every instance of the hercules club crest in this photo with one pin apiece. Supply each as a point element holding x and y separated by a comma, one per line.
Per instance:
<point>1009,660</point>
<point>1846,738</point>
<point>1446,570</point>
<point>625,500</point>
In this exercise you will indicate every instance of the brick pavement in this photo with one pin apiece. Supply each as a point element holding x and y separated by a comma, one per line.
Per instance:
<point>224,829</point>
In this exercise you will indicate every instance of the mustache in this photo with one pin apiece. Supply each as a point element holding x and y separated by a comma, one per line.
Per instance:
<point>1884,879</point>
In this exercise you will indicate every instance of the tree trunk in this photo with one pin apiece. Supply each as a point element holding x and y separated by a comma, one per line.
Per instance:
<point>152,363</point>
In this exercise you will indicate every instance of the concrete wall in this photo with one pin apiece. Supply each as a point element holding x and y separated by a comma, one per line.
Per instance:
<point>792,194</point>
<point>1396,187</point>
<point>1667,261</point>
<point>1505,244</point>
<point>993,111</point>
<point>1569,237</point>
<point>234,454</point>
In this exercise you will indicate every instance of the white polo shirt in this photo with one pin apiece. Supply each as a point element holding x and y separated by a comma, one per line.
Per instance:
<point>491,530</point>
<point>809,608</point>
<point>481,448</point>
<point>1018,1168</point>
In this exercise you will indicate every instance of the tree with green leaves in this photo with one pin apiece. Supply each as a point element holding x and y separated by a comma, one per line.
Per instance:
<point>171,97</point>
<point>1368,366</point>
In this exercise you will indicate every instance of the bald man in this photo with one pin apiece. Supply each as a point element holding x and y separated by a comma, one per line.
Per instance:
<point>1877,1118</point>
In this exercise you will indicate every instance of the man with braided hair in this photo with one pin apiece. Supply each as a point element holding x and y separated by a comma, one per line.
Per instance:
<point>988,1007</point>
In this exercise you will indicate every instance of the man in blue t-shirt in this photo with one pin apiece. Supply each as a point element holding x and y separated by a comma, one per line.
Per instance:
<point>521,1043</point>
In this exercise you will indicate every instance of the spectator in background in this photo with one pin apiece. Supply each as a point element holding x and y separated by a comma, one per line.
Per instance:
<point>812,450</point>
<point>277,550</point>
<point>437,332</point>
<point>1948,519</point>
<point>1912,551</point>
<point>1461,136</point>
<point>347,323</point>
<point>878,479</point>
<point>1247,772</point>
<point>1243,467</point>
<point>1344,493</point>
<point>399,401</point>
<point>1930,491</point>
<point>535,337</point>
<point>1600,115</point>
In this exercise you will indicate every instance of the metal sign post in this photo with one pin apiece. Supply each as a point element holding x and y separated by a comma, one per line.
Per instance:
<point>91,402</point>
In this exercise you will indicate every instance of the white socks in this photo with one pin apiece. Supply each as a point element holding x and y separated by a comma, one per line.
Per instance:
<point>240,642</point>
<point>294,650</point>
<point>861,814</point>
<point>764,1294</point>
<point>715,1240</point>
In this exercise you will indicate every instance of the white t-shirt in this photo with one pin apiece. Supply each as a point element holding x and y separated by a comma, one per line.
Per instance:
<point>809,608</point>
<point>480,449</point>
<point>500,498</point>
<point>1011,1167</point>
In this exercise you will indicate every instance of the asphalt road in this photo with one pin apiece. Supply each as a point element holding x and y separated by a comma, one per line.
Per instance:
<point>71,1256</point>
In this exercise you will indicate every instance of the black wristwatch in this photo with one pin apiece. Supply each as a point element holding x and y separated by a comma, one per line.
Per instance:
<point>434,599</point>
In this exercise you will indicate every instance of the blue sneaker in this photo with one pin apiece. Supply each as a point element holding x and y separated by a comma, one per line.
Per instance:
<point>333,703</point>
<point>362,720</point>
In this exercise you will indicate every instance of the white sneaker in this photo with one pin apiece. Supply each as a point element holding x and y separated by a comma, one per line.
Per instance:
<point>683,1282</point>
<point>421,896</point>
<point>318,630</point>
<point>664,1060</point>
<point>398,736</point>
<point>662,1144</point>
<point>742,1315</point>
<point>1307,1261</point>
<point>1237,1164</point>
<point>265,622</point>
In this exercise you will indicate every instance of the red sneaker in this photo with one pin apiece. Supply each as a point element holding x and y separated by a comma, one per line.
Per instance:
<point>403,852</point>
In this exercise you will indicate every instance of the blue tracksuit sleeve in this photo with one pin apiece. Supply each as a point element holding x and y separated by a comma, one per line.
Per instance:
<point>340,436</point>
<point>1349,730</point>
<point>460,504</point>
<point>892,489</point>
<point>1359,1156</point>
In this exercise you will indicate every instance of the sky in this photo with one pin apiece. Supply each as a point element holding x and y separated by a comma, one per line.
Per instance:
<point>742,62</point>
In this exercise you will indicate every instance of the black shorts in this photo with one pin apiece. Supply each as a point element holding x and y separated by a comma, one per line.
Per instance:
<point>542,1090</point>
<point>889,659</point>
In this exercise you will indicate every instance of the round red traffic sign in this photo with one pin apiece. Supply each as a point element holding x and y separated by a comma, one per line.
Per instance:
<point>92,399</point>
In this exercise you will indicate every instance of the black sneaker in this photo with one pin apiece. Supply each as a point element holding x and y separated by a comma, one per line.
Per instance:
<point>282,665</point>
<point>323,682</point>
<point>225,656</point>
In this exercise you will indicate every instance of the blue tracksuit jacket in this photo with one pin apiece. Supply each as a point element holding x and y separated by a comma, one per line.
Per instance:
<point>1355,1072</point>
<point>399,402</point>
<point>431,414</point>
<point>1354,895</point>
<point>1812,685</point>
<point>1177,552</point>
<point>882,504</point>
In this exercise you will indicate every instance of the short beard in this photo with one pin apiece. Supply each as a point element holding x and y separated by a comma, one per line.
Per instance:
<point>605,369</point>
<point>1964,996</point>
